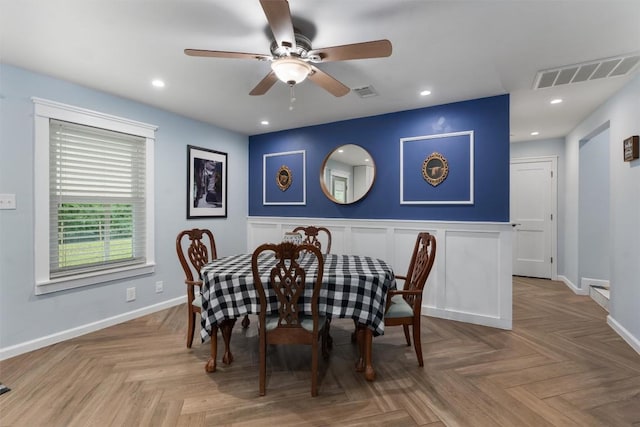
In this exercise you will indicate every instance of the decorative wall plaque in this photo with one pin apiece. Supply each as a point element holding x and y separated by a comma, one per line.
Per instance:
<point>284,178</point>
<point>630,147</point>
<point>435,169</point>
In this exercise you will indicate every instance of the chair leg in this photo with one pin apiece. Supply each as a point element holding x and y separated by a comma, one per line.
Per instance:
<point>326,344</point>
<point>263,363</point>
<point>191,328</point>
<point>406,334</point>
<point>360,365</point>
<point>416,341</point>
<point>314,368</point>
<point>246,322</point>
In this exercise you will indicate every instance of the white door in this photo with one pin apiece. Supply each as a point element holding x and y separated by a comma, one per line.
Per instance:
<point>339,189</point>
<point>533,215</point>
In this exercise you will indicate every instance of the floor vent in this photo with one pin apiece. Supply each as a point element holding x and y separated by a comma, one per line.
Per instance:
<point>593,70</point>
<point>365,91</point>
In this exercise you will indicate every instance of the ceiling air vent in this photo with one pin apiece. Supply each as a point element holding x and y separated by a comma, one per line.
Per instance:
<point>593,70</point>
<point>365,91</point>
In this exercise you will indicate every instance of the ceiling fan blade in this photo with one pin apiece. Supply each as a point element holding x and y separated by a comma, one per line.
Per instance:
<point>327,82</point>
<point>279,17</point>
<point>264,85</point>
<point>222,54</point>
<point>372,49</point>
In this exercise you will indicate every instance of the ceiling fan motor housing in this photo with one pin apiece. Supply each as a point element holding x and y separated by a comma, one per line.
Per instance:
<point>303,46</point>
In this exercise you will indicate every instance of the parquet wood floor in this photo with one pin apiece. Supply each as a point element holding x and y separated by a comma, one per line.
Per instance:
<point>561,365</point>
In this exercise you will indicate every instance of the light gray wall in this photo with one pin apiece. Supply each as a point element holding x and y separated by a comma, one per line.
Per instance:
<point>593,221</point>
<point>621,114</point>
<point>554,147</point>
<point>24,316</point>
<point>622,111</point>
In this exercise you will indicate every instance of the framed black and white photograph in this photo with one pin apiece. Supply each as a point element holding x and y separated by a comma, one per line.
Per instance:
<point>206,183</point>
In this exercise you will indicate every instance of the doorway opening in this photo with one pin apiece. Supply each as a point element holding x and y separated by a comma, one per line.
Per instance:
<point>593,215</point>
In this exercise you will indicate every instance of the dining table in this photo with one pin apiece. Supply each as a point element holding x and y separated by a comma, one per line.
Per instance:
<point>353,286</point>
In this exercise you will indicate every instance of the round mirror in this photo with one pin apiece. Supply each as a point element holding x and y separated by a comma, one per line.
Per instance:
<point>347,174</point>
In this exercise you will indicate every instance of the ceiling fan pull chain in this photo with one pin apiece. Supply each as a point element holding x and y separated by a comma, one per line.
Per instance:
<point>292,97</point>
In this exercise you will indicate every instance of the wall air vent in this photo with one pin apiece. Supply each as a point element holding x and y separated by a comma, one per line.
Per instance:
<point>365,91</point>
<point>593,70</point>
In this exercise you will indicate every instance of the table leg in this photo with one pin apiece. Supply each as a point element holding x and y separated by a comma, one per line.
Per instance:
<point>369,372</point>
<point>364,338</point>
<point>227,326</point>
<point>246,322</point>
<point>211,363</point>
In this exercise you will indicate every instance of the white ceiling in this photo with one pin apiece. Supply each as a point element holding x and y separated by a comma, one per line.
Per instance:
<point>459,50</point>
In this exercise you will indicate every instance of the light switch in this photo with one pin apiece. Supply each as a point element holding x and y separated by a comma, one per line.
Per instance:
<point>7,201</point>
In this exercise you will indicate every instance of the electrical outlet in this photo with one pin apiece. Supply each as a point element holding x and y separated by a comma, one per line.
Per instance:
<point>7,201</point>
<point>131,294</point>
<point>159,286</point>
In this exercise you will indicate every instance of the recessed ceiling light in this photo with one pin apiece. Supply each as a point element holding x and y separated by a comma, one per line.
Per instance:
<point>534,133</point>
<point>341,151</point>
<point>157,83</point>
<point>366,160</point>
<point>425,93</point>
<point>556,101</point>
<point>264,122</point>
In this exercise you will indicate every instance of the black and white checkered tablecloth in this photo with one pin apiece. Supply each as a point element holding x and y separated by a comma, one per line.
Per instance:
<point>353,287</point>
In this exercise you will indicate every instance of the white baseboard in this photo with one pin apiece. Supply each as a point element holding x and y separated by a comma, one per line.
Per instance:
<point>37,343</point>
<point>476,319</point>
<point>626,335</point>
<point>576,290</point>
<point>600,296</point>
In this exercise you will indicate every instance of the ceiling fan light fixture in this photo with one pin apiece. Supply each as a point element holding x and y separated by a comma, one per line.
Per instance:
<point>290,70</point>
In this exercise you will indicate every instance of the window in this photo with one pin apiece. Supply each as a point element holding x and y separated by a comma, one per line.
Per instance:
<point>93,197</point>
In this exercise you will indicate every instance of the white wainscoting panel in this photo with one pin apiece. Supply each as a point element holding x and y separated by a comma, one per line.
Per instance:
<point>368,241</point>
<point>471,277</point>
<point>479,250</point>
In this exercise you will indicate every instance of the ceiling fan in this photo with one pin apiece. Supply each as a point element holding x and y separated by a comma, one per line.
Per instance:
<point>292,57</point>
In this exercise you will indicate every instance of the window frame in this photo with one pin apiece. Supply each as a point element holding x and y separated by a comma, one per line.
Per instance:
<point>44,110</point>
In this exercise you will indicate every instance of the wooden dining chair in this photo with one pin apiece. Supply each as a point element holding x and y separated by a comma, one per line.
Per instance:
<point>289,325</point>
<point>193,255</point>
<point>403,306</point>
<point>312,237</point>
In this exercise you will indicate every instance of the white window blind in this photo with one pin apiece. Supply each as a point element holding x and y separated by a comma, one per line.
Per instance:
<point>97,199</point>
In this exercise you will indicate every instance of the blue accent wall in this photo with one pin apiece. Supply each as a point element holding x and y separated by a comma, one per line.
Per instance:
<point>380,135</point>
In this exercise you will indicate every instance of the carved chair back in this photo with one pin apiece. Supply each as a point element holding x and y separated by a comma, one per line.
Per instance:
<point>420,266</point>
<point>200,250</point>
<point>288,280</point>
<point>312,237</point>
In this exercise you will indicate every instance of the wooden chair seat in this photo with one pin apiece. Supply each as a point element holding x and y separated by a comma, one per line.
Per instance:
<point>398,308</point>
<point>197,301</point>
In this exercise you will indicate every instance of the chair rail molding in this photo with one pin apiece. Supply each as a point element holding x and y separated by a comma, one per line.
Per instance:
<point>470,280</point>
